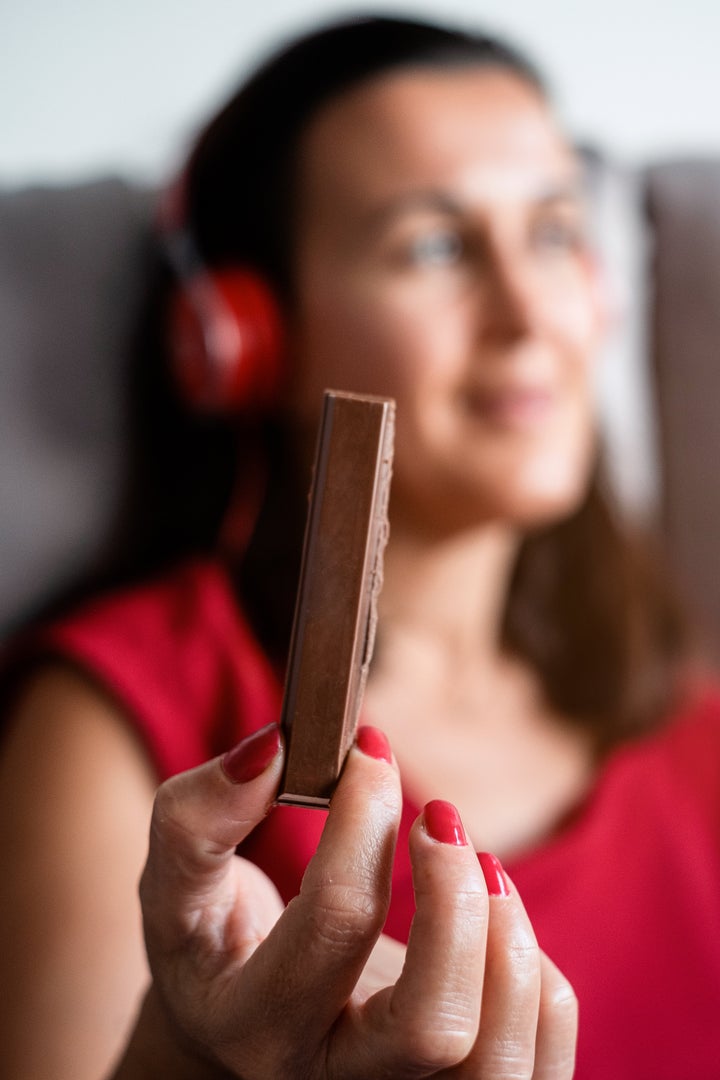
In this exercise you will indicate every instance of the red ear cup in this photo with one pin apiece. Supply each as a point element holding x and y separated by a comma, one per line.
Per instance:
<point>227,341</point>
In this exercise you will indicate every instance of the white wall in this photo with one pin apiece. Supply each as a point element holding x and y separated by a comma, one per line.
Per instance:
<point>89,86</point>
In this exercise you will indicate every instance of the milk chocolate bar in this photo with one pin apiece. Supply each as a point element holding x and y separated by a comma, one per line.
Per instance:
<point>340,579</point>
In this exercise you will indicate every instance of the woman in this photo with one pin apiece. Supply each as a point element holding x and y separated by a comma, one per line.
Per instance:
<point>420,219</point>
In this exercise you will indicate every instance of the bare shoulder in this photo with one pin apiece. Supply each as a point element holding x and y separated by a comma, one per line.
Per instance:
<point>76,792</point>
<point>67,745</point>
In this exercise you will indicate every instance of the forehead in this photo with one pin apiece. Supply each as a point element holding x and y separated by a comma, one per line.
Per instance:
<point>483,132</point>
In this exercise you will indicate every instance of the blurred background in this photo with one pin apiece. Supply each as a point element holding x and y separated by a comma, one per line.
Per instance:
<point>96,86</point>
<point>99,102</point>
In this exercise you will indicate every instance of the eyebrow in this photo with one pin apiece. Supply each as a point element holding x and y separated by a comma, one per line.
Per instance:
<point>410,202</point>
<point>439,201</point>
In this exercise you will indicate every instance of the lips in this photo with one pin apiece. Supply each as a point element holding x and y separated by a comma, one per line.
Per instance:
<point>518,407</point>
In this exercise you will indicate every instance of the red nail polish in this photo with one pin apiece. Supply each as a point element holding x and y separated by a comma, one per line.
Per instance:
<point>374,743</point>
<point>442,822</point>
<point>495,879</point>
<point>253,755</point>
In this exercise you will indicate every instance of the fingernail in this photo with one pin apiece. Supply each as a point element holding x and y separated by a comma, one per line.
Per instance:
<point>374,743</point>
<point>495,878</point>
<point>253,755</point>
<point>442,822</point>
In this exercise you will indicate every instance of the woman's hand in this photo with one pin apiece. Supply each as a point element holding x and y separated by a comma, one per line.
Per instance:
<point>243,988</point>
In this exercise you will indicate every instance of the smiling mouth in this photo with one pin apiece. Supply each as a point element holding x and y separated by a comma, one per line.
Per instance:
<point>519,408</point>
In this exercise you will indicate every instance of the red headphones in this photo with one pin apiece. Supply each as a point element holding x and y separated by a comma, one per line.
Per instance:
<point>225,329</point>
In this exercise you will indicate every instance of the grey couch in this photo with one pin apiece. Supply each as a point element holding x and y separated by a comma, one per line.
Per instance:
<point>73,268</point>
<point>74,264</point>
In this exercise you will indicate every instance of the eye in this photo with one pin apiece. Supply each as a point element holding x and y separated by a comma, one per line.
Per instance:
<point>435,247</point>
<point>558,234</point>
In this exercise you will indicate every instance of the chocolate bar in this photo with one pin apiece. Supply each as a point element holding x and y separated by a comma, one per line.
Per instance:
<point>336,609</point>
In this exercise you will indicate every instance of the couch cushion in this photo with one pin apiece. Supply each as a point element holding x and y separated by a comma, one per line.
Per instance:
<point>683,199</point>
<point>73,269</point>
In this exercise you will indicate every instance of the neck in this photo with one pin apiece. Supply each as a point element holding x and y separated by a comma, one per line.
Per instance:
<point>445,593</point>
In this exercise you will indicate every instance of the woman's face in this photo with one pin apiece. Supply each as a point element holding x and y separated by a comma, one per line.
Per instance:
<point>442,260</point>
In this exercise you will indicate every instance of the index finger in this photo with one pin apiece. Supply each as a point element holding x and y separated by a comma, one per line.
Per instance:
<point>199,818</point>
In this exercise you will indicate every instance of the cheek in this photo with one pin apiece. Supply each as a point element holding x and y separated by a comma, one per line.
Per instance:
<point>574,312</point>
<point>367,340</point>
<point>547,482</point>
<point>561,467</point>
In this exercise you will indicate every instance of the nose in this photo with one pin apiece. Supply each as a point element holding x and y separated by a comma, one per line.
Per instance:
<point>507,298</point>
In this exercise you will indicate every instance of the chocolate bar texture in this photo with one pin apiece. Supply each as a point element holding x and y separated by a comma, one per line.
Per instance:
<point>340,580</point>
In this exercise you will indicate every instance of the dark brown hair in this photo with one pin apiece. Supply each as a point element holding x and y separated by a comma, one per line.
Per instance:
<point>592,608</point>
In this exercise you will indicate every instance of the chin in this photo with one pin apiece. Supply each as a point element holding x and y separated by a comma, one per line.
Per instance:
<point>538,507</point>
<point>546,512</point>
<point>550,487</point>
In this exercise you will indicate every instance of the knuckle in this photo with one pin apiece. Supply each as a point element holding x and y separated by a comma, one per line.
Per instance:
<point>167,815</point>
<point>343,912</point>
<point>562,1066</point>
<point>558,1001</point>
<point>558,1025</point>
<point>469,904</point>
<point>510,1062</point>
<point>178,829</point>
<point>562,1002</point>
<point>441,1045</point>
<point>440,1038</point>
<point>166,799</point>
<point>523,958</point>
